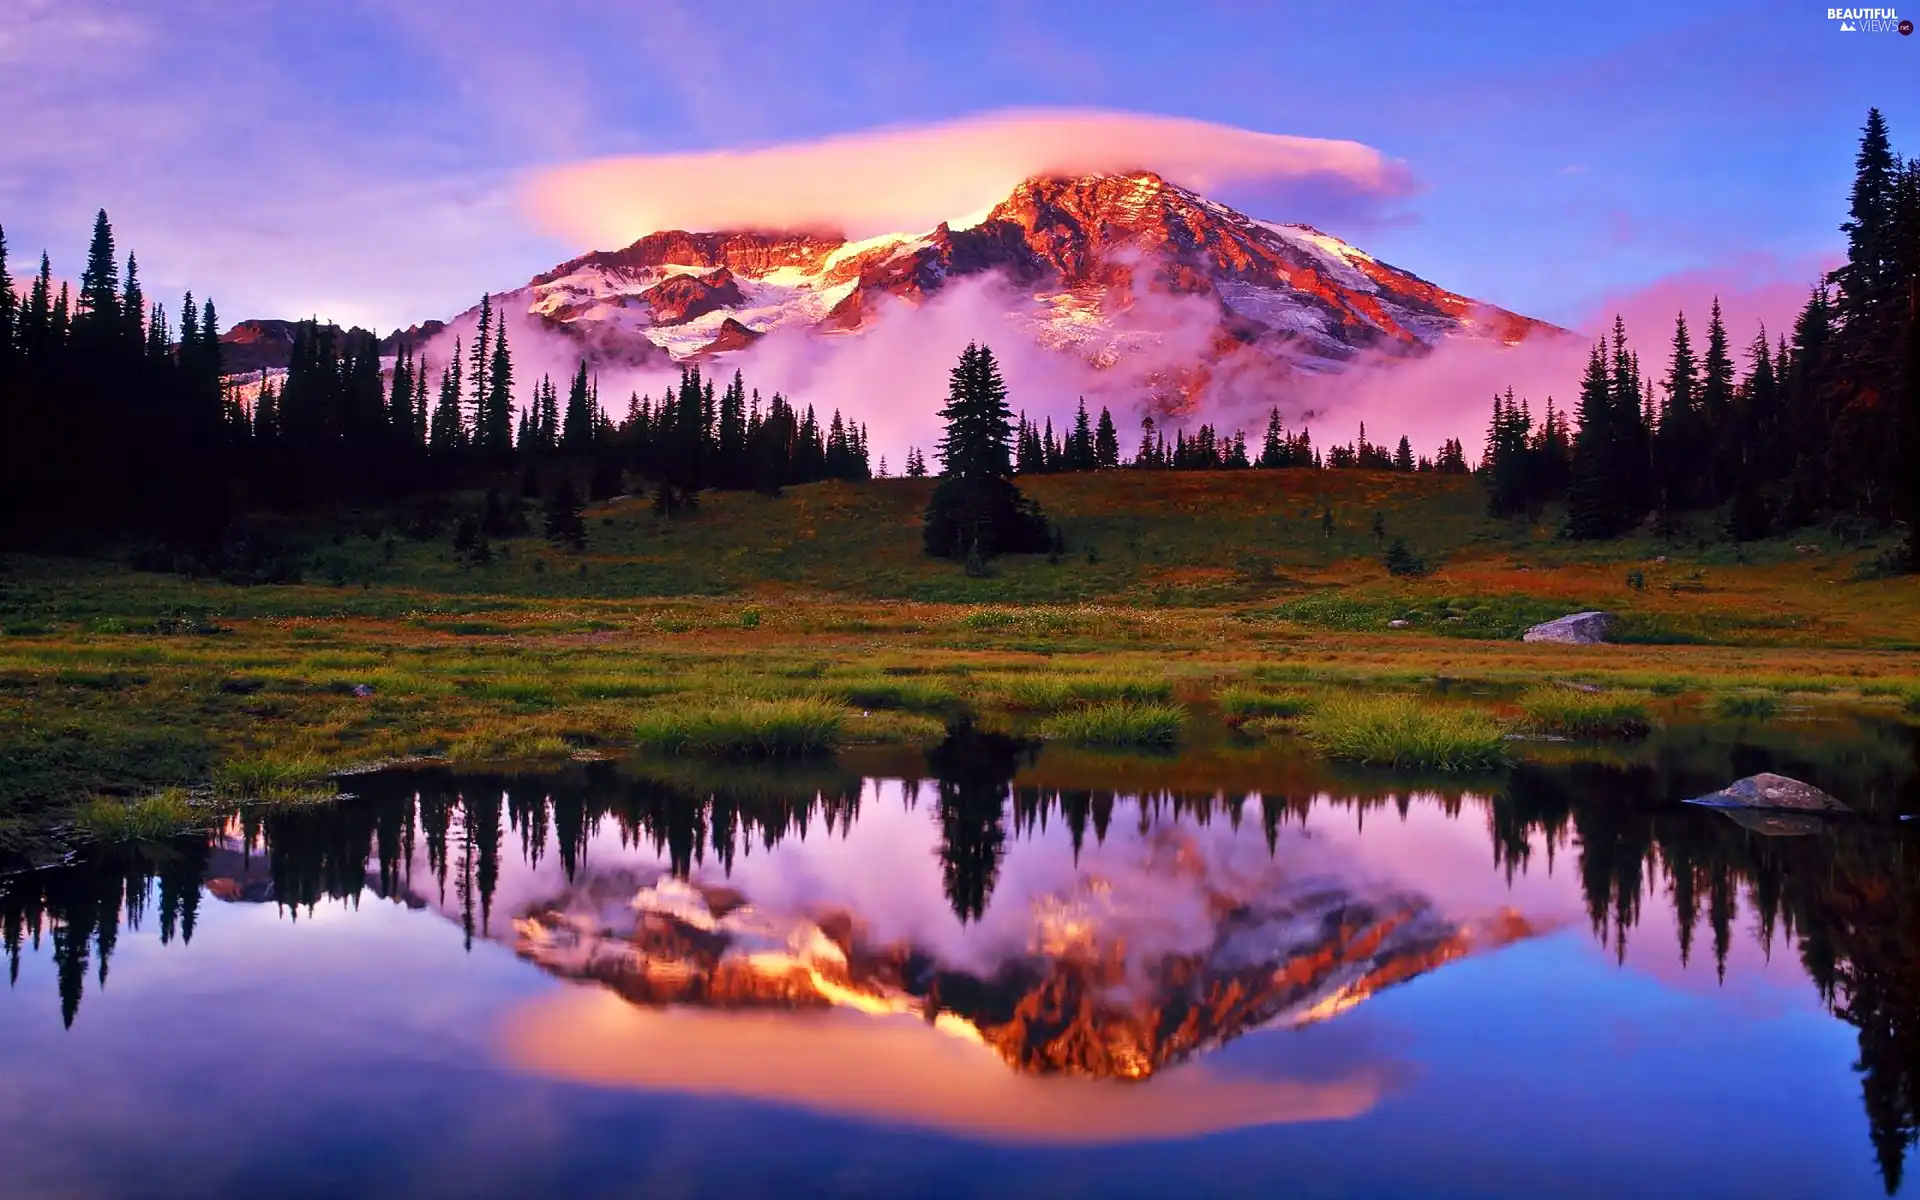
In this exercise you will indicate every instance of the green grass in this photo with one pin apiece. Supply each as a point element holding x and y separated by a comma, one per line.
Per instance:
<point>1406,733</point>
<point>1746,706</point>
<point>795,728</point>
<point>1239,704</point>
<point>493,742</point>
<point>907,694</point>
<point>1055,690</point>
<point>271,776</point>
<point>163,814</point>
<point>1569,712</point>
<point>1123,723</point>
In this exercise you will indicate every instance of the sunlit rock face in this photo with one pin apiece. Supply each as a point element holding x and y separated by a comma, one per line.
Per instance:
<point>1113,269</point>
<point>1104,984</point>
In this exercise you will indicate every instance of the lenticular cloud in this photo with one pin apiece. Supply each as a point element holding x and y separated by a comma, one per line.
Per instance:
<point>913,177</point>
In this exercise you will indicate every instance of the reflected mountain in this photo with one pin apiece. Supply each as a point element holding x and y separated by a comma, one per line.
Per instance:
<point>1067,916</point>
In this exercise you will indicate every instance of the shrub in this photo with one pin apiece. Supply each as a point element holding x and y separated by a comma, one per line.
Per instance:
<point>1402,732</point>
<point>1401,561</point>
<point>1572,713</point>
<point>1119,724</point>
<point>751,729</point>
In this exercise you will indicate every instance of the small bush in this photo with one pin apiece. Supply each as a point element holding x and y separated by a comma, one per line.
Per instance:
<point>1401,561</point>
<point>1119,724</point>
<point>1561,710</point>
<point>1239,704</point>
<point>1402,732</point>
<point>1746,706</point>
<point>162,815</point>
<point>750,729</point>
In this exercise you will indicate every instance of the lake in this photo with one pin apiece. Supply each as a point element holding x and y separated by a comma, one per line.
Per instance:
<point>990,970</point>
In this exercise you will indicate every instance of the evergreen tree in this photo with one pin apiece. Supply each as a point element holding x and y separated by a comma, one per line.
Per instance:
<point>133,310</point>
<point>480,361</point>
<point>1678,443</point>
<point>1106,443</point>
<point>1716,408</point>
<point>98,316</point>
<point>576,435</point>
<point>1592,507</point>
<point>976,510</point>
<point>1403,455</point>
<point>497,438</point>
<point>447,431</point>
<point>1080,442</point>
<point>565,524</point>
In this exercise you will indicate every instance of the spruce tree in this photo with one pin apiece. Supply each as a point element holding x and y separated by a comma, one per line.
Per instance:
<point>576,435</point>
<point>1106,443</point>
<point>564,522</point>
<point>98,315</point>
<point>1716,406</point>
<point>480,361</point>
<point>1592,511</point>
<point>9,312</point>
<point>497,441</point>
<point>1677,440</point>
<point>133,310</point>
<point>976,511</point>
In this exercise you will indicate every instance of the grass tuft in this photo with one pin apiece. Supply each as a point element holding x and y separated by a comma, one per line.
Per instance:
<point>270,776</point>
<point>1240,704</point>
<point>164,814</point>
<point>507,745</point>
<point>1406,733</point>
<point>1746,706</point>
<point>1124,723</point>
<point>794,728</point>
<point>1055,690</point>
<point>1571,713</point>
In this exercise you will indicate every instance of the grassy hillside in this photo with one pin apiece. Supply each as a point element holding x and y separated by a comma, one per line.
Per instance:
<point>812,619</point>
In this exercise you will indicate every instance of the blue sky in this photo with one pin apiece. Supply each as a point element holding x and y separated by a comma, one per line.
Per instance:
<point>368,160</point>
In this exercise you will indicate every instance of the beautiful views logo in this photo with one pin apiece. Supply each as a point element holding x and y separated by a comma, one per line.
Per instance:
<point>1869,20</point>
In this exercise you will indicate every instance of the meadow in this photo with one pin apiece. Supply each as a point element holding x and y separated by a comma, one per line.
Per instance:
<point>1186,605</point>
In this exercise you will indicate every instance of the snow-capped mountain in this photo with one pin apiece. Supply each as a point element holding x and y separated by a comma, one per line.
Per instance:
<point>1106,267</point>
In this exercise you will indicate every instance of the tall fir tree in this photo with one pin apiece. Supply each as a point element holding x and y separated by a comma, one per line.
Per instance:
<point>1592,507</point>
<point>976,512</point>
<point>498,439</point>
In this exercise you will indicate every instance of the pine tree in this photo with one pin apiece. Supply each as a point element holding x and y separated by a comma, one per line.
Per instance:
<point>976,510</point>
<point>98,315</point>
<point>9,316</point>
<point>1106,443</point>
<point>577,433</point>
<point>447,431</point>
<point>1869,280</point>
<point>1592,510</point>
<point>1677,440</point>
<point>479,363</point>
<point>564,522</point>
<point>1403,455</point>
<point>133,310</point>
<point>497,439</point>
<point>1716,406</point>
<point>1080,442</point>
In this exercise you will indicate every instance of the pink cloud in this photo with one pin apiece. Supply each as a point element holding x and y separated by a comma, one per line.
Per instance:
<point>913,177</point>
<point>1753,289</point>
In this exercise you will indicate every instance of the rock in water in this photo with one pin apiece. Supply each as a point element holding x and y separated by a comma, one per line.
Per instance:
<point>1770,791</point>
<point>1579,629</point>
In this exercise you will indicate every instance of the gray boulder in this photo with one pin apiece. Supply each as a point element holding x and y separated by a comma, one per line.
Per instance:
<point>1771,792</point>
<point>1579,629</point>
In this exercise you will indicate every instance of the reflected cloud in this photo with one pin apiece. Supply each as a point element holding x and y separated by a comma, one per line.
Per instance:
<point>898,1071</point>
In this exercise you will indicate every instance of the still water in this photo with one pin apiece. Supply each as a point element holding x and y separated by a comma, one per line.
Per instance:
<point>983,971</point>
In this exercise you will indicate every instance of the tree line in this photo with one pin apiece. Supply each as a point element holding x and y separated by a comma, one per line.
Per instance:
<point>1821,425</point>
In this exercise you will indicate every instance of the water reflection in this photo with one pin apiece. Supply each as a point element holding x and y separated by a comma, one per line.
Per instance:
<point>770,931</point>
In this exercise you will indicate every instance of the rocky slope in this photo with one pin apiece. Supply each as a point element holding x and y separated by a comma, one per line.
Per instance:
<point>1113,268</point>
<point>1080,998</point>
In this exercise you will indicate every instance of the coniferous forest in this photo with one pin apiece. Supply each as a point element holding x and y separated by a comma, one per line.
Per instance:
<point>123,425</point>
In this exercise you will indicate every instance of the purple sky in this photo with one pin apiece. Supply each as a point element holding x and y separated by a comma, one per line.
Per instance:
<point>371,161</point>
